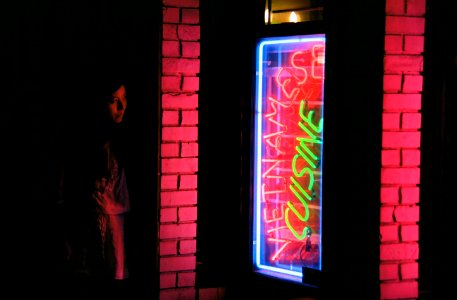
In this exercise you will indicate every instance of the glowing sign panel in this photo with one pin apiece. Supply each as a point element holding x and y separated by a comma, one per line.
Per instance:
<point>288,155</point>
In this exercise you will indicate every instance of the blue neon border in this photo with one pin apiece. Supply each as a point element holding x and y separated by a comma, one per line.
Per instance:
<point>269,270</point>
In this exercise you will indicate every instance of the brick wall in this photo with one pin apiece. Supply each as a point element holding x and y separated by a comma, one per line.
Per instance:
<point>400,172</point>
<point>179,148</point>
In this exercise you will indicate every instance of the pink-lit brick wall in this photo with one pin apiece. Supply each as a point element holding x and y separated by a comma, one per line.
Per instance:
<point>401,137</point>
<point>179,148</point>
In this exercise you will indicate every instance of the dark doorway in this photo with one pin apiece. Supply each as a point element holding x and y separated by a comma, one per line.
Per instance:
<point>225,144</point>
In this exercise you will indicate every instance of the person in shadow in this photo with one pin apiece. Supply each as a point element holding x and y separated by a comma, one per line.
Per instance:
<point>95,199</point>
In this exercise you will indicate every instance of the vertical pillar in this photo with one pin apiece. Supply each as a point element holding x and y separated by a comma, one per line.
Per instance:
<point>179,148</point>
<point>401,137</point>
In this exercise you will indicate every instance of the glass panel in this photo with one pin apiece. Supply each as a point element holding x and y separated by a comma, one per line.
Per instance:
<point>293,11</point>
<point>288,155</point>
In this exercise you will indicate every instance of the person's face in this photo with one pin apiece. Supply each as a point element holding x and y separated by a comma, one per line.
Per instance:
<point>117,104</point>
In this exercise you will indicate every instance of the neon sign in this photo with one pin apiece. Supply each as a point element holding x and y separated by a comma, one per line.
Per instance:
<point>288,155</point>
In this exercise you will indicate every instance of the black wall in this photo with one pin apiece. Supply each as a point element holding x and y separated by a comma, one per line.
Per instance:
<point>50,53</point>
<point>438,164</point>
<point>228,31</point>
<point>352,149</point>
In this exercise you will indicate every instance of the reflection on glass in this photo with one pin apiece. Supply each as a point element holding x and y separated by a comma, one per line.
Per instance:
<point>293,11</point>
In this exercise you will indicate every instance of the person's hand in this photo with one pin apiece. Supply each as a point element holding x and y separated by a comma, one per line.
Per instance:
<point>100,185</point>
